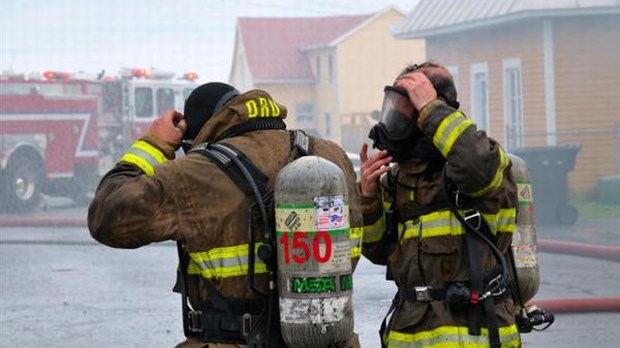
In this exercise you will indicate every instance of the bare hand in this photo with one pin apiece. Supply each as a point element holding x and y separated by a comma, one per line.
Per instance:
<point>169,127</point>
<point>372,169</point>
<point>419,88</point>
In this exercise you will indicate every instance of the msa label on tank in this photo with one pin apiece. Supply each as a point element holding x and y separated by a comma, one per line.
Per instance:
<point>305,285</point>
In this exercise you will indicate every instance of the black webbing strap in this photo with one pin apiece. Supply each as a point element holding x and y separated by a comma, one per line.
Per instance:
<point>477,286</point>
<point>215,298</point>
<point>300,144</point>
<point>228,166</point>
<point>252,182</point>
<point>385,319</point>
<point>253,125</point>
<point>182,278</point>
<point>473,236</point>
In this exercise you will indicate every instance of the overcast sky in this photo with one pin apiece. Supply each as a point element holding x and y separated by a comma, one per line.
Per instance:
<point>176,35</point>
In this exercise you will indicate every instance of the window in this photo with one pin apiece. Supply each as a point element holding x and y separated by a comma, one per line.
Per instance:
<point>144,102</point>
<point>304,113</point>
<point>480,95</point>
<point>330,68</point>
<point>328,124</point>
<point>318,69</point>
<point>165,100</point>
<point>112,97</point>
<point>513,103</point>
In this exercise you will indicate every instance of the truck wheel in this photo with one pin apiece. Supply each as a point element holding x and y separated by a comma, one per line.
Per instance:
<point>82,187</point>
<point>24,180</point>
<point>566,214</point>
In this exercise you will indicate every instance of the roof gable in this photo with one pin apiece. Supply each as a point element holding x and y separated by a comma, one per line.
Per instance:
<point>432,17</point>
<point>274,46</point>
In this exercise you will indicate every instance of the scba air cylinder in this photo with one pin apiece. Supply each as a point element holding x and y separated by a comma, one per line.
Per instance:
<point>314,254</point>
<point>524,240</point>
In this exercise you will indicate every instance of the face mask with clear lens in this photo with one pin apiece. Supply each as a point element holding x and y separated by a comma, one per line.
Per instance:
<point>397,113</point>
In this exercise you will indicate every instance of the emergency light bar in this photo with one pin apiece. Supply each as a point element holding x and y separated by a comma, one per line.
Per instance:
<point>190,76</point>
<point>56,75</point>
<point>134,73</point>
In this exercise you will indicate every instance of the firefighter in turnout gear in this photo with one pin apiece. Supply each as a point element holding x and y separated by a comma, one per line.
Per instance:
<point>439,204</point>
<point>151,196</point>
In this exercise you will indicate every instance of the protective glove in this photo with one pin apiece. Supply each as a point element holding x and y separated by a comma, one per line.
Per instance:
<point>166,132</point>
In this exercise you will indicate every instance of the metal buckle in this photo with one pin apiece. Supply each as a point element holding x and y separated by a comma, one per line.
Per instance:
<point>193,321</point>
<point>422,294</point>
<point>246,324</point>
<point>501,289</point>
<point>498,292</point>
<point>474,214</point>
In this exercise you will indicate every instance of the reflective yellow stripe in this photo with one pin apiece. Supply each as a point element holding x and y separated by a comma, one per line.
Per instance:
<point>411,229</point>
<point>146,167</point>
<point>504,221</point>
<point>504,161</point>
<point>449,130</point>
<point>374,233</point>
<point>355,235</point>
<point>192,268</point>
<point>145,156</point>
<point>440,223</point>
<point>225,262</point>
<point>444,223</point>
<point>451,337</point>
<point>151,150</point>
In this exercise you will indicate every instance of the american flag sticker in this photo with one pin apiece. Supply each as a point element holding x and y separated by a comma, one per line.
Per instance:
<point>329,213</point>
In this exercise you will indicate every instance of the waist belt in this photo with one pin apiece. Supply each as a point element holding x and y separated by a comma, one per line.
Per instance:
<point>212,323</point>
<point>457,293</point>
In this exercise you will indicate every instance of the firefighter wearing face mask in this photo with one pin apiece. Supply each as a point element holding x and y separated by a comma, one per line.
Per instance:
<point>151,196</point>
<point>439,204</point>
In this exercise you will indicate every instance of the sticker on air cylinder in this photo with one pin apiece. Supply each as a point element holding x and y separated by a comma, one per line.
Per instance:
<point>329,213</point>
<point>525,193</point>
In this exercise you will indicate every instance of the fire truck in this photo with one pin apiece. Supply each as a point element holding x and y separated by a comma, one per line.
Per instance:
<point>60,132</point>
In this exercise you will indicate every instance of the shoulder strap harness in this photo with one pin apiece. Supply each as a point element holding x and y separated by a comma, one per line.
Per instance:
<point>227,320</point>
<point>483,289</point>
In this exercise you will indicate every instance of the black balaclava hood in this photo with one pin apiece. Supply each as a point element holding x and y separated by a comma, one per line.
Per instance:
<point>205,101</point>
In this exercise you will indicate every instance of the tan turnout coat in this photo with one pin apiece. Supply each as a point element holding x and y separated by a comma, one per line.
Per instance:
<point>189,199</point>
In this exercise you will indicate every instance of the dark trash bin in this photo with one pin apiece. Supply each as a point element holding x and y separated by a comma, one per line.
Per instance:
<point>549,167</point>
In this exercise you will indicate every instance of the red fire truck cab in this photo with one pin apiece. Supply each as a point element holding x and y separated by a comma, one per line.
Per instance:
<point>60,132</point>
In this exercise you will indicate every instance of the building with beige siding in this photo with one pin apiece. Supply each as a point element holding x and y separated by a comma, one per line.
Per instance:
<point>533,74</point>
<point>328,71</point>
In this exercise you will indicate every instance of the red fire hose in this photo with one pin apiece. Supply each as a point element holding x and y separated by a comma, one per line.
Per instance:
<point>579,305</point>
<point>581,249</point>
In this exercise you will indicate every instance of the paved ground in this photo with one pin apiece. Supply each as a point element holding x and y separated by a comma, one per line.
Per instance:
<point>60,289</point>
